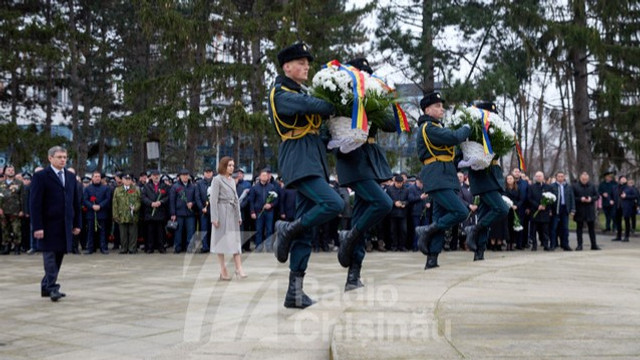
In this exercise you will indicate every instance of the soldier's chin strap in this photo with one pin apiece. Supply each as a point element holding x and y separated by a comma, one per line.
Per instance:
<point>448,149</point>
<point>293,131</point>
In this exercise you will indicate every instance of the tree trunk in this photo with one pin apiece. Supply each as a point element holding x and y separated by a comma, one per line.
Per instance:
<point>578,56</point>
<point>541,143</point>
<point>48,80</point>
<point>427,44</point>
<point>78,137</point>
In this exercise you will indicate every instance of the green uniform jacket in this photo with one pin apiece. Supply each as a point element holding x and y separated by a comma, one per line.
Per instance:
<point>367,162</point>
<point>306,156</point>
<point>11,197</point>
<point>122,201</point>
<point>438,175</point>
<point>485,180</point>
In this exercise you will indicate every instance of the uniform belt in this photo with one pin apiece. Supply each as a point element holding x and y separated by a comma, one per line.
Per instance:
<point>495,162</point>
<point>371,140</point>
<point>431,160</point>
<point>297,132</point>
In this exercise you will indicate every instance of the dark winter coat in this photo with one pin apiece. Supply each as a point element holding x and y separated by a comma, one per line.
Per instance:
<point>585,211</point>
<point>55,209</point>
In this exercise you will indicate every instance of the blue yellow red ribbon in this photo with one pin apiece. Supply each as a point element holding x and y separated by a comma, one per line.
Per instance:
<point>358,115</point>
<point>486,142</point>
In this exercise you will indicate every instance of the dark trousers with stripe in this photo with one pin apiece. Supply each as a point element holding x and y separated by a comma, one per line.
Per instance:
<point>491,208</point>
<point>316,203</point>
<point>371,204</point>
<point>448,211</point>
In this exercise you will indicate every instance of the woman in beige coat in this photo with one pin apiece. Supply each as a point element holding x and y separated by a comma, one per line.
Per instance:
<point>225,218</point>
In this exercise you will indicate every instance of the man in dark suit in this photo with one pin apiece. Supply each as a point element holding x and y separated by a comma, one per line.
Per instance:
<point>541,217</point>
<point>564,207</point>
<point>55,217</point>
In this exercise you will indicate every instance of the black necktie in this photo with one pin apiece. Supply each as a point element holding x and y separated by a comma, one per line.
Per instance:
<point>61,177</point>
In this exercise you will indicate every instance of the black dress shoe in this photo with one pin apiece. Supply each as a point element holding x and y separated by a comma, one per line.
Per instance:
<point>88,252</point>
<point>55,295</point>
<point>104,252</point>
<point>567,248</point>
<point>123,252</point>
<point>595,248</point>
<point>616,239</point>
<point>579,248</point>
<point>45,293</point>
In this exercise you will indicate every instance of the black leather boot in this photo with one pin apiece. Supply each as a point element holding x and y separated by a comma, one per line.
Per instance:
<point>348,241</point>
<point>285,233</point>
<point>424,234</point>
<point>353,278</point>
<point>473,232</point>
<point>432,261</point>
<point>296,298</point>
<point>478,255</point>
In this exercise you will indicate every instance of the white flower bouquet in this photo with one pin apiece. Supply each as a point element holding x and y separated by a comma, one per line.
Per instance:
<point>548,198</point>
<point>499,137</point>
<point>350,127</point>
<point>517,225</point>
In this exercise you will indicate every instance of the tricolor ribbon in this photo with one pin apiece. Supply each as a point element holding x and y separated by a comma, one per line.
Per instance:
<point>358,115</point>
<point>521,164</point>
<point>486,142</point>
<point>402,121</point>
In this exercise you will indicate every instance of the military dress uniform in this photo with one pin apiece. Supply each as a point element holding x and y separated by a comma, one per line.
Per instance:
<point>11,203</point>
<point>362,170</point>
<point>487,184</point>
<point>302,161</point>
<point>436,150</point>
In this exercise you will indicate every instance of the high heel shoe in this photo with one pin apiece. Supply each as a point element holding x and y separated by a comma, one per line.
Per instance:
<point>225,278</point>
<point>241,275</point>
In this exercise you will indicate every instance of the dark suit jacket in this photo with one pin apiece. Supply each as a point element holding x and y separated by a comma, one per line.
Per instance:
<point>534,197</point>
<point>55,209</point>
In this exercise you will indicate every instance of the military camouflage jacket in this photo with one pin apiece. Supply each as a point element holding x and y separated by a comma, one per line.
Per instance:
<point>11,197</point>
<point>126,205</point>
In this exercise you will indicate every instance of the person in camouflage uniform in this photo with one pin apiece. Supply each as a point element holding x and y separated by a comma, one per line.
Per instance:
<point>126,205</point>
<point>11,211</point>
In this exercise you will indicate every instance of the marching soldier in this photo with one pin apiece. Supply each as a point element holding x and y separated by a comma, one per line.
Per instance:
<point>11,205</point>
<point>302,161</point>
<point>436,149</point>
<point>362,170</point>
<point>487,185</point>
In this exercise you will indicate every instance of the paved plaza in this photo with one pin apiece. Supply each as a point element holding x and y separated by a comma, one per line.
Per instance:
<point>514,305</point>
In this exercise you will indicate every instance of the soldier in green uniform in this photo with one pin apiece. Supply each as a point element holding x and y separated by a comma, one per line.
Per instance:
<point>126,206</point>
<point>302,162</point>
<point>488,185</point>
<point>11,205</point>
<point>362,170</point>
<point>436,149</point>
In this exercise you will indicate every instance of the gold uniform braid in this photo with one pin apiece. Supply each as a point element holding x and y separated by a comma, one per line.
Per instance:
<point>450,152</point>
<point>313,121</point>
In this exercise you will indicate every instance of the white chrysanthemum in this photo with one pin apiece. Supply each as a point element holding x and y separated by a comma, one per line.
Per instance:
<point>507,201</point>
<point>549,196</point>
<point>373,85</point>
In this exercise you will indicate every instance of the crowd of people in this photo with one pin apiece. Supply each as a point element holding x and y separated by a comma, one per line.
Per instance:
<point>363,207</point>
<point>153,212</point>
